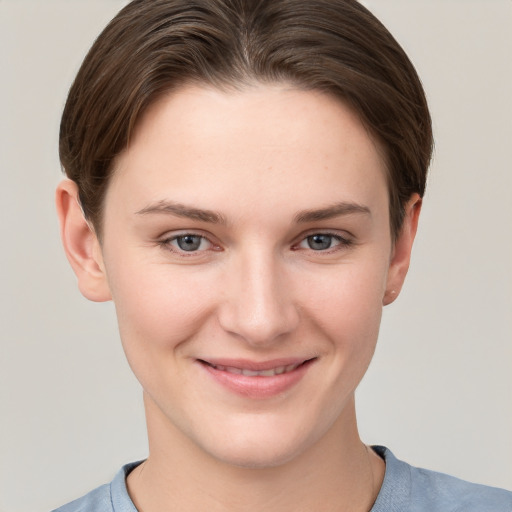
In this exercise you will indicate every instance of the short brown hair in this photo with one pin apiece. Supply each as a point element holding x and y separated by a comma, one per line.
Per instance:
<point>153,46</point>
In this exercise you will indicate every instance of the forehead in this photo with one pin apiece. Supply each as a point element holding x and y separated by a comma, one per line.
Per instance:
<point>262,141</point>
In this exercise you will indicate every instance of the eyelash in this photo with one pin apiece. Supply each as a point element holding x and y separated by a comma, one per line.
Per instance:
<point>343,243</point>
<point>166,243</point>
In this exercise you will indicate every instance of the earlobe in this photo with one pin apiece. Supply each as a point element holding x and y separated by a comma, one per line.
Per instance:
<point>81,244</point>
<point>401,257</point>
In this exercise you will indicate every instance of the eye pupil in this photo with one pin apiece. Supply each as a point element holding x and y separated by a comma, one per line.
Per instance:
<point>189,242</point>
<point>319,242</point>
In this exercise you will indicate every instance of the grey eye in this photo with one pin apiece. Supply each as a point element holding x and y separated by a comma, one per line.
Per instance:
<point>189,242</point>
<point>320,242</point>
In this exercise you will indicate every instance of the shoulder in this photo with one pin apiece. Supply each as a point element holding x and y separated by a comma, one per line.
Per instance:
<point>112,497</point>
<point>414,489</point>
<point>430,490</point>
<point>98,500</point>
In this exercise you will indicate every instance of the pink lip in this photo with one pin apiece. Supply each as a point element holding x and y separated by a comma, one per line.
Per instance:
<point>257,387</point>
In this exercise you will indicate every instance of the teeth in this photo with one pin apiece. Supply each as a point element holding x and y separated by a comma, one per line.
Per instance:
<point>257,373</point>
<point>268,373</point>
<point>250,373</point>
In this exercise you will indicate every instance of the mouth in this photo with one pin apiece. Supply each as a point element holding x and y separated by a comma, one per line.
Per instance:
<point>257,380</point>
<point>248,372</point>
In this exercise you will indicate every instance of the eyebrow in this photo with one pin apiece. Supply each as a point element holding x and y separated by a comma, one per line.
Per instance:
<point>210,216</point>
<point>335,210</point>
<point>181,210</point>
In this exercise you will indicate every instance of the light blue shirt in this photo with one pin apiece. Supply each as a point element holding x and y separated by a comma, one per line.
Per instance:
<point>405,489</point>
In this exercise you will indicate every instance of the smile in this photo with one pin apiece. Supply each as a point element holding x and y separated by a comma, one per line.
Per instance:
<point>257,380</point>
<point>257,373</point>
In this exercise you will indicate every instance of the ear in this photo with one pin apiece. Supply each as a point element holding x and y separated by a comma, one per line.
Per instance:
<point>81,244</point>
<point>401,255</point>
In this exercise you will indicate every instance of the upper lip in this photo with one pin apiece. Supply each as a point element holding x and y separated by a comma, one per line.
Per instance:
<point>246,364</point>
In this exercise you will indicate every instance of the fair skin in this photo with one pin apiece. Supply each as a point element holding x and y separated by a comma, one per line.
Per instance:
<point>247,232</point>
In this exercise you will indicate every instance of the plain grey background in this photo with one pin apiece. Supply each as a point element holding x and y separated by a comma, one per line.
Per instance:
<point>439,389</point>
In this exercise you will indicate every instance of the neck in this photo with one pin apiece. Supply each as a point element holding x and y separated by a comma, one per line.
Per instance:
<point>337,473</point>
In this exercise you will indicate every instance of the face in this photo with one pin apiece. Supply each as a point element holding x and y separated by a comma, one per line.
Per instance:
<point>248,252</point>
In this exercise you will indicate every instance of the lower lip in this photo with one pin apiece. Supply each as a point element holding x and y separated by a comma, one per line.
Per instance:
<point>258,387</point>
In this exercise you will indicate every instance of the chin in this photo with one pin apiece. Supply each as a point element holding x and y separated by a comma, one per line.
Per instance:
<point>260,444</point>
<point>255,455</point>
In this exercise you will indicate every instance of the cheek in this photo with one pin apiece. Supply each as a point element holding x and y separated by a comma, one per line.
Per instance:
<point>348,294</point>
<point>346,306</point>
<point>159,307</point>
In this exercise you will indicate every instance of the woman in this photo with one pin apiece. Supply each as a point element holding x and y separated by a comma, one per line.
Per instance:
<point>245,182</point>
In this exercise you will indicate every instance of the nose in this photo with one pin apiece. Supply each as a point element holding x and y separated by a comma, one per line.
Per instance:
<point>258,303</point>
